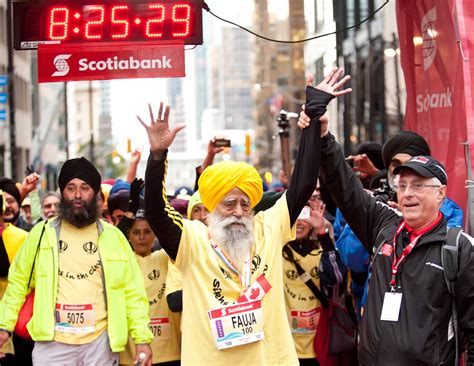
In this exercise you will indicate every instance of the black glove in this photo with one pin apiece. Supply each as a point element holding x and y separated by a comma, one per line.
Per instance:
<point>135,189</point>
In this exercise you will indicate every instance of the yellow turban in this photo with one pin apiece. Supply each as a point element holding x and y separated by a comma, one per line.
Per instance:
<point>219,179</point>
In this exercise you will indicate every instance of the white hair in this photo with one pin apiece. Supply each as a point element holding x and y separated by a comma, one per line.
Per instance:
<point>236,241</point>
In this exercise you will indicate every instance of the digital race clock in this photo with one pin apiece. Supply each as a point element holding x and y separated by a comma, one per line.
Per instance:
<point>71,22</point>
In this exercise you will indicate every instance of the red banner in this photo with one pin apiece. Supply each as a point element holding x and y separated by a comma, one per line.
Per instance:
<point>109,61</point>
<point>433,66</point>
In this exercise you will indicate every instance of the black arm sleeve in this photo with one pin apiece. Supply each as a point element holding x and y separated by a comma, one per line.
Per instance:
<point>306,172</point>
<point>364,214</point>
<point>175,301</point>
<point>165,221</point>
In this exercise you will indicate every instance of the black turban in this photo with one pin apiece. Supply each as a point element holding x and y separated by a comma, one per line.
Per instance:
<point>407,142</point>
<point>373,150</point>
<point>7,185</point>
<point>79,168</point>
<point>118,201</point>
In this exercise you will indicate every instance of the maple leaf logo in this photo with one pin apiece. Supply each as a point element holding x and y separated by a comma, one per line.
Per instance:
<point>254,293</point>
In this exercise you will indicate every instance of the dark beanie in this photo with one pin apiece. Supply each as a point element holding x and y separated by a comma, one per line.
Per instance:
<point>373,150</point>
<point>79,168</point>
<point>9,186</point>
<point>118,201</point>
<point>407,142</point>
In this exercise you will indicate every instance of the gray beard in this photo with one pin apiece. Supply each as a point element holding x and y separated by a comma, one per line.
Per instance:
<point>237,242</point>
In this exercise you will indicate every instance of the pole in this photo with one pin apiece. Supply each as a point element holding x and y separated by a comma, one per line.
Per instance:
<point>91,120</point>
<point>66,116</point>
<point>11,90</point>
<point>397,83</point>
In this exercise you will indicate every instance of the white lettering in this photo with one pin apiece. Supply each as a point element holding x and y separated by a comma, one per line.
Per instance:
<point>436,100</point>
<point>125,64</point>
<point>83,64</point>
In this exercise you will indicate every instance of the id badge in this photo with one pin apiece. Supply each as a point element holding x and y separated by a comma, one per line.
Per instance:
<point>391,306</point>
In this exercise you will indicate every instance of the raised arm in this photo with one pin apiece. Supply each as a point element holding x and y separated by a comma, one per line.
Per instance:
<point>166,223</point>
<point>306,172</point>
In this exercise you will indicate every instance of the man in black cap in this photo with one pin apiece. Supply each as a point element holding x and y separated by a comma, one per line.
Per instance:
<point>408,317</point>
<point>89,290</point>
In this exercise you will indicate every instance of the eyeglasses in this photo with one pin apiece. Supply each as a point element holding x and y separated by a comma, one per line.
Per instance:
<point>416,187</point>
<point>315,197</point>
<point>230,204</point>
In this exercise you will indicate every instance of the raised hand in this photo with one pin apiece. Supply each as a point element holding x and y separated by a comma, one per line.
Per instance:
<point>331,82</point>
<point>135,156</point>
<point>159,134</point>
<point>317,216</point>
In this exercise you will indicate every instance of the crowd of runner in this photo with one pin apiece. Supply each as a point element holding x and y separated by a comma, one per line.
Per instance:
<point>343,263</point>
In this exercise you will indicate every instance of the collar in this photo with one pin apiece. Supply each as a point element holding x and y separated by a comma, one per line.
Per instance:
<point>414,233</point>
<point>302,247</point>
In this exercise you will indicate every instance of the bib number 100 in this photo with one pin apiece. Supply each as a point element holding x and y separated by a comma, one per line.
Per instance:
<point>247,330</point>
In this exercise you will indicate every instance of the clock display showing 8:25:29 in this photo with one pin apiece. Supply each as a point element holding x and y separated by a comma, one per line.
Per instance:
<point>106,21</point>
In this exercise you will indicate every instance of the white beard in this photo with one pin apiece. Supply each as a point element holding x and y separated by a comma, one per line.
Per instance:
<point>235,241</point>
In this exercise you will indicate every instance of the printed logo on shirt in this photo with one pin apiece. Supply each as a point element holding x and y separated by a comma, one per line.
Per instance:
<point>314,272</point>
<point>225,273</point>
<point>90,247</point>
<point>386,250</point>
<point>154,275</point>
<point>292,274</point>
<point>62,246</point>
<point>256,261</point>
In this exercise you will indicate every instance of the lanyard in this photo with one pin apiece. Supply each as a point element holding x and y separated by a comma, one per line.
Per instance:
<point>245,275</point>
<point>398,261</point>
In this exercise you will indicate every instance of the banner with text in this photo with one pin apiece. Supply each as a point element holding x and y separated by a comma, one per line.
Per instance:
<point>58,63</point>
<point>433,67</point>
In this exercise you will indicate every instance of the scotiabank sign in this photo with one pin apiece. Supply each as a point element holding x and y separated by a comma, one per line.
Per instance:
<point>109,61</point>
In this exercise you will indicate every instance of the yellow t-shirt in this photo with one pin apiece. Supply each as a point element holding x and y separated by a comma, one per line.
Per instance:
<point>302,307</point>
<point>13,237</point>
<point>166,346</point>
<point>174,280</point>
<point>208,284</point>
<point>81,313</point>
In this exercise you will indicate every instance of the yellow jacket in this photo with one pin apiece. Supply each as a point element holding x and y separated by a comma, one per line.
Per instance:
<point>127,303</point>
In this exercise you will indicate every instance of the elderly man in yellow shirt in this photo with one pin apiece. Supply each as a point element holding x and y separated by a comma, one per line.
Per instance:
<point>233,303</point>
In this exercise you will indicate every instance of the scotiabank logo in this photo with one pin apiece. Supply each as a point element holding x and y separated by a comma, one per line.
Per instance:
<point>434,100</point>
<point>429,37</point>
<point>130,63</point>
<point>61,65</point>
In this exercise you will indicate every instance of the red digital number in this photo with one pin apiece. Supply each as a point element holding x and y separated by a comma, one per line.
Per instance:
<point>121,24</point>
<point>181,18</point>
<point>95,24</point>
<point>156,22</point>
<point>58,23</point>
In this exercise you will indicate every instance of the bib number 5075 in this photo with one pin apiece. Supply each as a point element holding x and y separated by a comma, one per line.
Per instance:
<point>75,318</point>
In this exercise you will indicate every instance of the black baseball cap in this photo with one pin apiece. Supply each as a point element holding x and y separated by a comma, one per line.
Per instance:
<point>425,166</point>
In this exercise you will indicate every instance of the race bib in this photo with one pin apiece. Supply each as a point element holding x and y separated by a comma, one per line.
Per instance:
<point>160,327</point>
<point>236,325</point>
<point>74,318</point>
<point>304,321</point>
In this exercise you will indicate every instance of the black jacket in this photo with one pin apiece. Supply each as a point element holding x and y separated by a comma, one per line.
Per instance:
<point>420,337</point>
